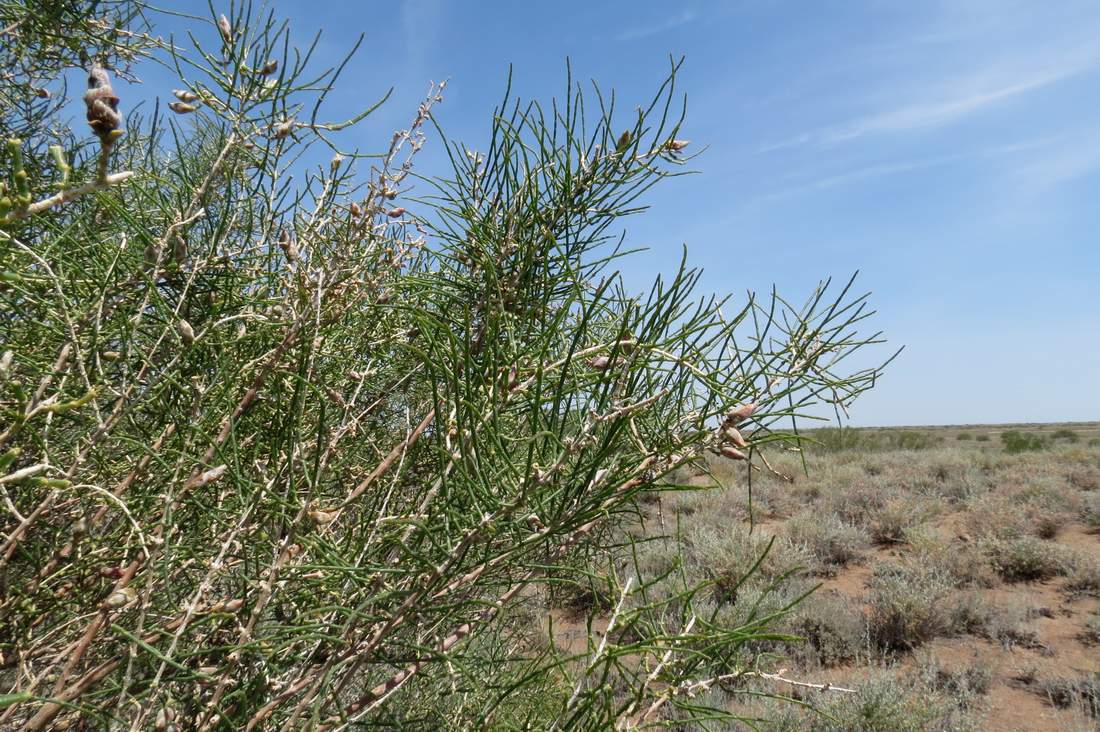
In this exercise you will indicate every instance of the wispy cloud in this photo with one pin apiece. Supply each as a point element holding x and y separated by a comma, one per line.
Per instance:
<point>639,32</point>
<point>943,111</point>
<point>950,100</point>
<point>1074,157</point>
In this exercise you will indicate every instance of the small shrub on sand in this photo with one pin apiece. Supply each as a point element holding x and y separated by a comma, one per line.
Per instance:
<point>1025,559</point>
<point>829,538</point>
<point>908,607</point>
<point>1015,441</point>
<point>1082,692</point>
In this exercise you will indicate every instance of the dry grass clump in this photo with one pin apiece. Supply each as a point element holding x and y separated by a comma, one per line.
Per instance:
<point>890,523</point>
<point>1089,512</point>
<point>1083,577</point>
<point>833,541</point>
<point>1081,692</point>
<point>888,701</point>
<point>1085,479</point>
<point>908,606</point>
<point>834,629</point>
<point>1025,559</point>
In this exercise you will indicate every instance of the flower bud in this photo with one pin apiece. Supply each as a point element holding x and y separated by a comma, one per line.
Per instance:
<point>269,68</point>
<point>395,213</point>
<point>182,107</point>
<point>185,95</point>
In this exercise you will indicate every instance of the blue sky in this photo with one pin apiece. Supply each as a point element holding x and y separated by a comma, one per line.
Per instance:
<point>949,150</point>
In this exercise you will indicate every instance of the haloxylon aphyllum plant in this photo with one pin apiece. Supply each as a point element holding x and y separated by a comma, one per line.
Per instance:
<point>284,446</point>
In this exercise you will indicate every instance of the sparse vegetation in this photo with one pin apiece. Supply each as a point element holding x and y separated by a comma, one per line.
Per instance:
<point>973,569</point>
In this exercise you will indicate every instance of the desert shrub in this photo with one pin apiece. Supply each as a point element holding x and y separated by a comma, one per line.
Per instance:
<point>1090,512</point>
<point>890,523</point>
<point>964,436</point>
<point>886,704</point>
<point>1090,634</point>
<point>908,606</point>
<point>1065,434</point>
<point>284,439</point>
<point>831,540</point>
<point>1025,559</point>
<point>982,438</point>
<point>1015,441</point>
<point>1086,479</point>
<point>1082,692</point>
<point>1094,442</point>
<point>966,685</point>
<point>1083,576</point>
<point>834,629</point>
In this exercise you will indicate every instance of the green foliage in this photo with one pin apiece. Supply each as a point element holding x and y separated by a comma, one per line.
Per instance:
<point>1015,441</point>
<point>834,439</point>
<point>963,436</point>
<point>1065,434</point>
<point>283,441</point>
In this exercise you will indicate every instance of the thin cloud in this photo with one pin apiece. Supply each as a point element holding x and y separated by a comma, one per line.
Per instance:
<point>946,107</point>
<point>637,33</point>
<point>933,114</point>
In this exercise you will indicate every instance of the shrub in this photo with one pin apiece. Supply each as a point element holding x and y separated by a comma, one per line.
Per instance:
<point>1082,692</point>
<point>1024,559</point>
<point>964,436</point>
<point>908,607</point>
<point>833,627</point>
<point>982,438</point>
<point>1016,442</point>
<point>1065,434</point>
<point>834,542</point>
<point>284,440</point>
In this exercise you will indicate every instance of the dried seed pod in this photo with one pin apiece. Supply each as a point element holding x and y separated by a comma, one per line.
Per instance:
<point>182,107</point>
<point>677,145</point>
<point>732,453</point>
<point>334,164</point>
<point>603,363</point>
<point>5,362</point>
<point>209,476</point>
<point>120,598</point>
<point>102,105</point>
<point>624,142</point>
<point>233,606</point>
<point>187,333</point>
<point>733,435</point>
<point>395,213</point>
<point>179,250</point>
<point>286,243</point>
<point>741,413</point>
<point>42,92</point>
<point>356,209</point>
<point>323,517</point>
<point>185,95</point>
<point>164,719</point>
<point>225,28</point>
<point>269,68</point>
<point>284,128</point>
<point>111,355</point>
